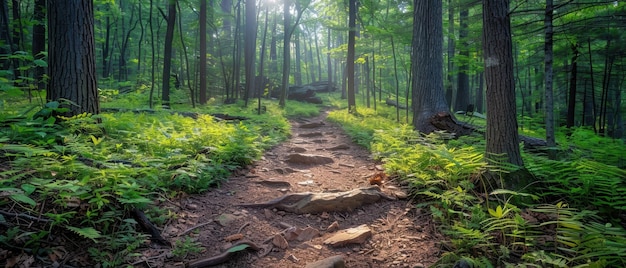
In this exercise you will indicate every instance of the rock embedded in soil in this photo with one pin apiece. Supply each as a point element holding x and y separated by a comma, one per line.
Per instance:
<point>356,235</point>
<point>310,135</point>
<point>309,159</point>
<point>312,125</point>
<point>339,147</point>
<point>280,242</point>
<point>330,262</point>
<point>307,234</point>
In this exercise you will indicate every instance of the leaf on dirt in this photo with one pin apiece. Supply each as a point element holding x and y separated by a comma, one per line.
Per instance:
<point>238,248</point>
<point>87,232</point>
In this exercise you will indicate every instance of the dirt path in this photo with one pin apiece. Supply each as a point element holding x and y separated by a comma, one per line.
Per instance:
<point>401,235</point>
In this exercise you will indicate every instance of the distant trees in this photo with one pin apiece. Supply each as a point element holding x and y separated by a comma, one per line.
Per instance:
<point>72,59</point>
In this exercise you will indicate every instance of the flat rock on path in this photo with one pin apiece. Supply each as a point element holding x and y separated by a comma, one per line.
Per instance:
<point>395,233</point>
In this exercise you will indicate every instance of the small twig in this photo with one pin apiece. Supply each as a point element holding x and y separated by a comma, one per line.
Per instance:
<point>196,227</point>
<point>243,226</point>
<point>25,216</point>
<point>150,258</point>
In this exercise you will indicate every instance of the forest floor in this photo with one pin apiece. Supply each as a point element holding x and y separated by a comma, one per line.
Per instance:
<point>391,232</point>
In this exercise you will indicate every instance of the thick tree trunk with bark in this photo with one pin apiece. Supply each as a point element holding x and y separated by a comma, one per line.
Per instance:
<point>430,110</point>
<point>502,137</point>
<point>72,66</point>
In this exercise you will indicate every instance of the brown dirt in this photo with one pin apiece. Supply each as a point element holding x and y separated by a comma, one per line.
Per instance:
<point>402,235</point>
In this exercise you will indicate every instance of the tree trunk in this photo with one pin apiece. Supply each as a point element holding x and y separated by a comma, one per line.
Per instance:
<point>286,53</point>
<point>297,73</point>
<point>549,94</point>
<point>450,63</point>
<point>203,62</point>
<point>250,48</point>
<point>430,109</point>
<point>167,53</point>
<point>39,40</point>
<point>571,101</point>
<point>502,137</point>
<point>462,93</point>
<point>72,67</point>
<point>350,60</point>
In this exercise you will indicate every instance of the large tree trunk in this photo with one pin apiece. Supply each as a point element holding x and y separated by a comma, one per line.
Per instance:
<point>72,67</point>
<point>430,109</point>
<point>502,137</point>
<point>350,60</point>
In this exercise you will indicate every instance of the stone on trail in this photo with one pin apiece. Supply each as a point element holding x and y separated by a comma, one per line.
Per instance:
<point>312,125</point>
<point>307,202</point>
<point>330,262</point>
<point>339,147</point>
<point>308,159</point>
<point>272,182</point>
<point>280,242</point>
<point>356,235</point>
<point>311,134</point>
<point>307,234</point>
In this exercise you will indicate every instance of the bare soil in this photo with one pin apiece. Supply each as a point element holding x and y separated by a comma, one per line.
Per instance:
<point>402,235</point>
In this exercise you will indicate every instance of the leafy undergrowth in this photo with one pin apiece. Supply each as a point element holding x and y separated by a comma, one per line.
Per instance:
<point>69,185</point>
<point>571,216</point>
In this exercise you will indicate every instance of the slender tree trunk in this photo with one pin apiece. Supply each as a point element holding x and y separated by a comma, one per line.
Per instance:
<point>329,61</point>
<point>286,53</point>
<point>261,63</point>
<point>395,72</point>
<point>592,95</point>
<point>203,52</point>
<point>549,95</point>
<point>450,63</point>
<point>571,101</point>
<point>297,74</point>
<point>167,53</point>
<point>462,92</point>
<point>350,61</point>
<point>250,48</point>
<point>39,40</point>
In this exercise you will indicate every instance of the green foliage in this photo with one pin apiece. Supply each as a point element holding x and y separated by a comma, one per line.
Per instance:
<point>184,247</point>
<point>82,174</point>
<point>496,229</point>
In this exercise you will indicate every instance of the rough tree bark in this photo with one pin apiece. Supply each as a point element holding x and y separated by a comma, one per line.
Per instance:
<point>72,66</point>
<point>502,137</point>
<point>167,54</point>
<point>430,109</point>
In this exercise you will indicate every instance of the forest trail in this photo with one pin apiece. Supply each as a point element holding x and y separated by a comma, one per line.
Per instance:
<point>394,232</point>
